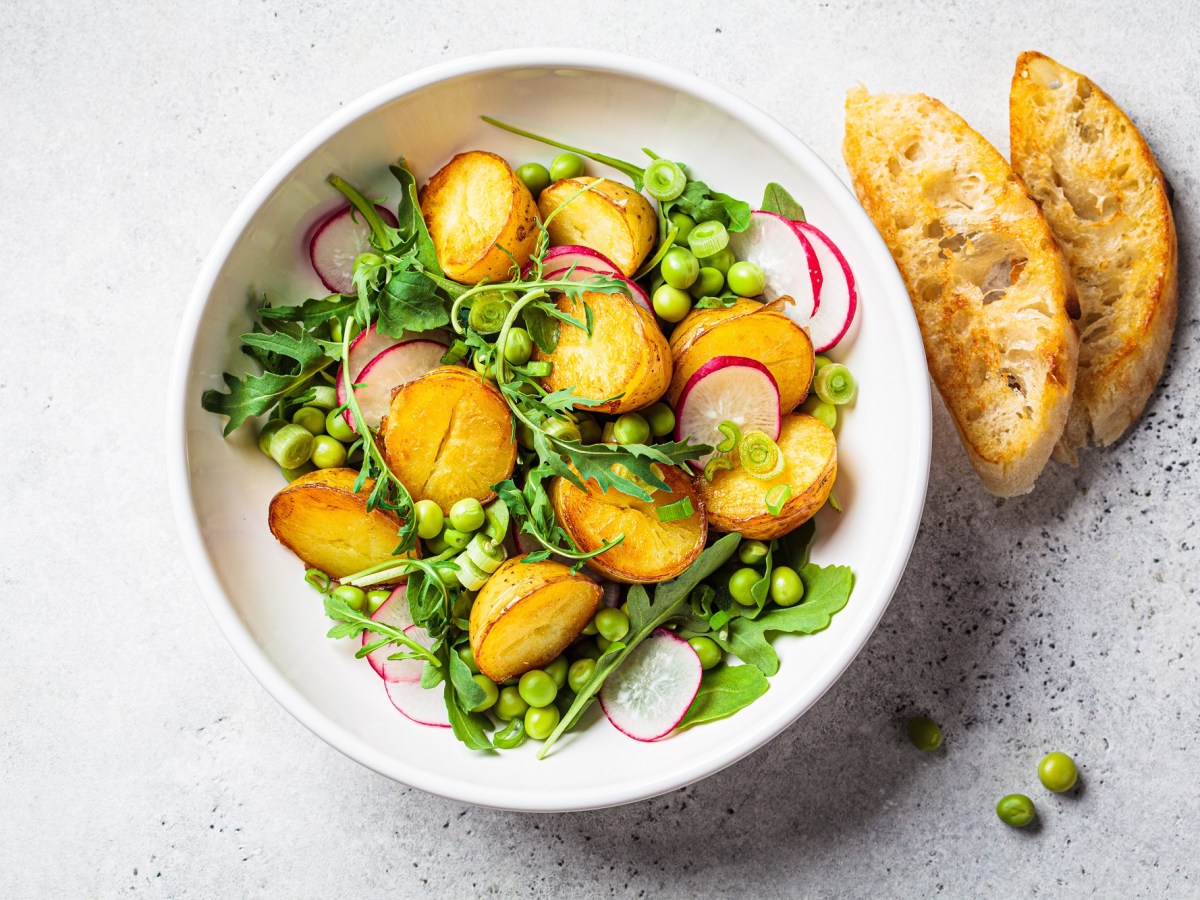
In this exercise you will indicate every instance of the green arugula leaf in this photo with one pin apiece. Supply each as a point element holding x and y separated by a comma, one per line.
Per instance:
<point>702,203</point>
<point>409,302</point>
<point>723,692</point>
<point>254,395</point>
<point>542,327</point>
<point>792,549</point>
<point>411,222</point>
<point>470,694</point>
<point>725,301</point>
<point>468,727</point>
<point>777,200</point>
<point>303,349</point>
<point>579,462</point>
<point>314,312</point>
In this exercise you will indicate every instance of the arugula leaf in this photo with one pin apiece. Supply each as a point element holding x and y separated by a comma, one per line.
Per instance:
<point>409,302</point>
<point>542,327</point>
<point>256,394</point>
<point>596,462</point>
<point>470,694</point>
<point>303,349</point>
<point>793,548</point>
<point>725,301</point>
<point>411,222</point>
<point>314,312</point>
<point>702,203</point>
<point>777,200</point>
<point>723,692</point>
<point>468,727</point>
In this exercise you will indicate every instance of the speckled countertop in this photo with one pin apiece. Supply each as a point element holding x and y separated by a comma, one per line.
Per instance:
<point>137,755</point>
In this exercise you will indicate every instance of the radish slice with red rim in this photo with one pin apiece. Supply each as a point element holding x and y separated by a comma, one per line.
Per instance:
<point>567,255</point>
<point>632,288</point>
<point>727,388</point>
<point>839,292</point>
<point>402,679</point>
<point>338,241</point>
<point>365,346</point>
<point>650,692</point>
<point>397,365</point>
<point>786,257</point>
<point>393,611</point>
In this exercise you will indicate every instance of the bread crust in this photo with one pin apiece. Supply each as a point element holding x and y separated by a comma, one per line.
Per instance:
<point>1104,195</point>
<point>990,288</point>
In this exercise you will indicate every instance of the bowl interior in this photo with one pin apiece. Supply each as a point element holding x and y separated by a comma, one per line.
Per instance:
<point>222,486</point>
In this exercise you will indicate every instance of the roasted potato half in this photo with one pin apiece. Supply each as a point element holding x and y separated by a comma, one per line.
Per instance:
<point>626,354</point>
<point>323,521</point>
<point>476,208</point>
<point>735,500</point>
<point>750,329</point>
<point>653,550</point>
<point>526,615</point>
<point>611,218</point>
<point>449,435</point>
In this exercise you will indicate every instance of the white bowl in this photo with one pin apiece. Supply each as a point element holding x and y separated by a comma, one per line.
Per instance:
<point>221,487</point>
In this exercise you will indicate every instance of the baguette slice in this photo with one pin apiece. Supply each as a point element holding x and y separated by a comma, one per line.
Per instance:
<point>989,286</point>
<point>1104,196</point>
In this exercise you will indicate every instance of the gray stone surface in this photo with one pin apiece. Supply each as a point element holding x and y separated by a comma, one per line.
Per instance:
<point>138,755</point>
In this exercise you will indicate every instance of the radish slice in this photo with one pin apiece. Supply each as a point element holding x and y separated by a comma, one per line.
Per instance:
<point>582,273</point>
<point>559,258</point>
<point>727,388</point>
<point>393,611</point>
<point>651,691</point>
<point>402,678</point>
<point>839,293</point>
<point>364,348</point>
<point>393,367</point>
<point>786,257</point>
<point>338,242</point>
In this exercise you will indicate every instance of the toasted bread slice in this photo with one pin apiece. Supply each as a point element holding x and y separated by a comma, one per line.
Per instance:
<point>1104,196</point>
<point>988,284</point>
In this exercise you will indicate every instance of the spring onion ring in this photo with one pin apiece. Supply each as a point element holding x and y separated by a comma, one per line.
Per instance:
<point>733,436</point>
<point>760,455</point>
<point>673,512</point>
<point>776,497</point>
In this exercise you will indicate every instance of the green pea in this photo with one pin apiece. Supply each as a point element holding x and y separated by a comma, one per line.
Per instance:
<point>511,736</point>
<point>589,430</point>
<point>746,279</point>
<point>437,544</point>
<point>590,627</point>
<point>375,600</point>
<point>467,515</point>
<point>490,693</point>
<point>612,624</point>
<point>679,268</point>
<point>786,587</point>
<point>820,362</point>
<point>510,704</point>
<point>537,689</point>
<point>429,519</point>
<point>468,657</point>
<point>557,670</point>
<point>722,260</point>
<point>708,651</point>
<point>517,346</point>
<point>328,453</point>
<point>671,304</point>
<point>602,643</point>
<point>540,722</point>
<point>337,427</point>
<point>752,552</point>
<point>708,283</point>
<point>1058,772</point>
<point>355,597</point>
<point>1016,810</point>
<point>455,538</point>
<point>631,429</point>
<point>292,474</point>
<point>660,418</point>
<point>820,410</point>
<point>924,733</point>
<point>740,583</point>
<point>310,419</point>
<point>566,165</point>
<point>562,429</point>
<point>580,674</point>
<point>684,223</point>
<point>535,176</point>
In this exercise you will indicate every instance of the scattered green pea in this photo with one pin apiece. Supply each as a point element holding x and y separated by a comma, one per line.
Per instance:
<point>752,552</point>
<point>580,674</point>
<point>566,165</point>
<point>537,689</point>
<point>746,279</point>
<point>557,670</point>
<point>518,346</point>
<point>328,453</point>
<point>337,427</point>
<point>468,657</point>
<point>310,419</point>
<point>631,428</point>
<point>740,583</point>
<point>510,703</point>
<point>540,722</point>
<point>671,304</point>
<point>467,515</point>
<point>430,519</point>
<point>375,599</point>
<point>535,176</point>
<point>680,268</point>
<point>1016,810</point>
<point>722,261</point>
<point>1058,772</point>
<point>786,587</point>
<point>708,283</point>
<point>708,651</point>
<point>684,225</point>
<point>660,418</point>
<point>612,624</point>
<point>924,733</point>
<point>355,597</point>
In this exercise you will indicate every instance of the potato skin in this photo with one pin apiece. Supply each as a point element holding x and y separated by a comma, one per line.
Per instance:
<point>748,329</point>
<point>734,499</point>
<point>315,509</point>
<point>526,614</point>
<point>611,218</point>
<point>449,435</point>
<point>652,550</point>
<point>473,207</point>
<point>626,354</point>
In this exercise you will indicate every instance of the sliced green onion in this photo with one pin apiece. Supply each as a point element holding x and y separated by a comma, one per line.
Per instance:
<point>489,311</point>
<point>455,353</point>
<point>820,362</point>
<point>716,464</point>
<point>834,384</point>
<point>512,735</point>
<point>485,553</point>
<point>317,579</point>
<point>291,446</point>
<point>760,455</point>
<point>469,575</point>
<point>733,436</point>
<point>537,369</point>
<point>708,238</point>
<point>776,497</point>
<point>673,512</point>
<point>833,502</point>
<point>323,397</point>
<point>663,180</point>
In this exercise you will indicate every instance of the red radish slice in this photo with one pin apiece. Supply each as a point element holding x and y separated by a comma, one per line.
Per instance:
<point>558,258</point>
<point>727,388</point>
<point>402,678</point>
<point>786,257</point>
<point>397,365</point>
<point>364,348</point>
<point>651,691</point>
<point>393,611</point>
<point>338,242</point>
<point>582,273</point>
<point>839,293</point>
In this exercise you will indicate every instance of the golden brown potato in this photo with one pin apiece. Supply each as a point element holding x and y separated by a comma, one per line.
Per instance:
<point>320,519</point>
<point>735,500</point>
<point>652,550</point>
<point>526,615</point>
<point>749,329</point>
<point>626,354</point>
<point>475,208</point>
<point>611,218</point>
<point>449,435</point>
